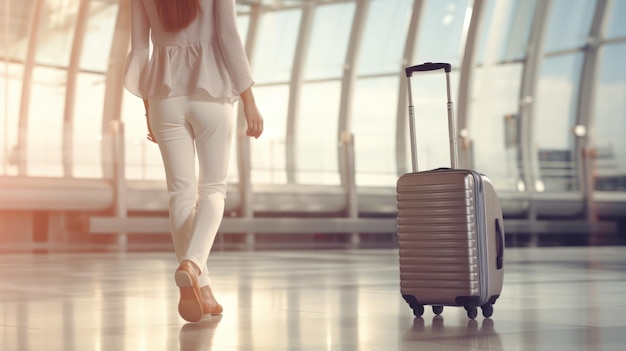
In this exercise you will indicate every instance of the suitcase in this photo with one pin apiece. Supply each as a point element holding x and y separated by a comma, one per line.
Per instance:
<point>450,230</point>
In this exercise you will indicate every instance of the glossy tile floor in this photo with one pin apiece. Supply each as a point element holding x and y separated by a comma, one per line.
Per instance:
<point>553,299</point>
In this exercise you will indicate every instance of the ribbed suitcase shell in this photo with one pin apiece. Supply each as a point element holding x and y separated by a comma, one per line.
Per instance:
<point>450,240</point>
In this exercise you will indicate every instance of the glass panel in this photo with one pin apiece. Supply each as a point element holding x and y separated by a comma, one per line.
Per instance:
<point>14,42</point>
<point>571,30</point>
<point>143,159</point>
<point>99,35</point>
<point>272,59</point>
<point>553,120</point>
<point>374,127</point>
<point>11,89</point>
<point>617,18</point>
<point>56,32</point>
<point>487,30</point>
<point>316,134</point>
<point>609,118</point>
<point>87,147</point>
<point>505,30</point>
<point>329,41</point>
<point>268,152</point>
<point>441,31</point>
<point>384,36</point>
<point>45,123</point>
<point>494,125</point>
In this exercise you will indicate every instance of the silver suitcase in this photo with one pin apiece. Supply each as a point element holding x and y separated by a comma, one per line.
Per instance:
<point>450,230</point>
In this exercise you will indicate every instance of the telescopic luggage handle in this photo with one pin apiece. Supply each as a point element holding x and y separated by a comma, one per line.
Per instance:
<point>430,66</point>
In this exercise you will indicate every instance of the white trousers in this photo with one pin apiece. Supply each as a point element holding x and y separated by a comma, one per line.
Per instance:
<point>184,125</point>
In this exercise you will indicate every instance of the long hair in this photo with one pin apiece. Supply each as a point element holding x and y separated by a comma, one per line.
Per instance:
<point>176,15</point>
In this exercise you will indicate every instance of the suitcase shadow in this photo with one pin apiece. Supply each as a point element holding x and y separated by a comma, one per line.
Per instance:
<point>473,334</point>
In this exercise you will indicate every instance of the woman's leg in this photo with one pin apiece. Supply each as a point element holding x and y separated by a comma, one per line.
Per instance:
<point>175,139</point>
<point>212,123</point>
<point>196,207</point>
<point>176,142</point>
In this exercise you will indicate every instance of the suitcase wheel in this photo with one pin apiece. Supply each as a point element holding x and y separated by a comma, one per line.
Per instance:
<point>487,310</point>
<point>418,310</point>
<point>472,312</point>
<point>437,310</point>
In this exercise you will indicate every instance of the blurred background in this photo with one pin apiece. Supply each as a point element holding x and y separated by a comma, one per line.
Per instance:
<point>540,101</point>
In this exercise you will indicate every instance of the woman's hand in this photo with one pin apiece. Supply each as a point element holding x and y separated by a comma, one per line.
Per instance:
<point>254,120</point>
<point>150,135</point>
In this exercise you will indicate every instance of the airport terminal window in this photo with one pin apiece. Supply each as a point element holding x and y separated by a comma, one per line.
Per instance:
<point>374,128</point>
<point>12,53</point>
<point>441,30</point>
<point>439,38</point>
<point>87,134</point>
<point>272,64</point>
<point>45,123</point>
<point>272,59</point>
<point>268,162</point>
<point>90,91</point>
<point>490,25</point>
<point>47,98</point>
<point>143,159</point>
<point>374,102</point>
<point>609,117</point>
<point>502,42</point>
<point>495,100</point>
<point>431,121</point>
<point>384,37</point>
<point>329,41</point>
<point>617,13</point>
<point>56,32</point>
<point>316,134</point>
<point>243,21</point>
<point>554,114</point>
<point>15,42</point>
<point>98,36</point>
<point>10,100</point>
<point>493,120</point>
<point>318,113</point>
<point>571,31</point>
<point>504,31</point>
<point>46,105</point>
<point>518,31</point>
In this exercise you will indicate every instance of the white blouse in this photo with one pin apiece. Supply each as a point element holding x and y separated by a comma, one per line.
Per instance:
<point>207,55</point>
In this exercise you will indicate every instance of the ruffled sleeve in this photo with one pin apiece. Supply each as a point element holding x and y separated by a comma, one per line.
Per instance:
<point>137,60</point>
<point>230,46</point>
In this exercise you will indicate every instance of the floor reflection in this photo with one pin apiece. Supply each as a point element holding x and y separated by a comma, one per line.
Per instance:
<point>553,299</point>
<point>199,336</point>
<point>473,334</point>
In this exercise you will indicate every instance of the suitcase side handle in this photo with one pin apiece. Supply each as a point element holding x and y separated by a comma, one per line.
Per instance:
<point>499,244</point>
<point>428,66</point>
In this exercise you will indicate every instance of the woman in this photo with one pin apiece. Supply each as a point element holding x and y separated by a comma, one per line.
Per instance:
<point>197,69</point>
